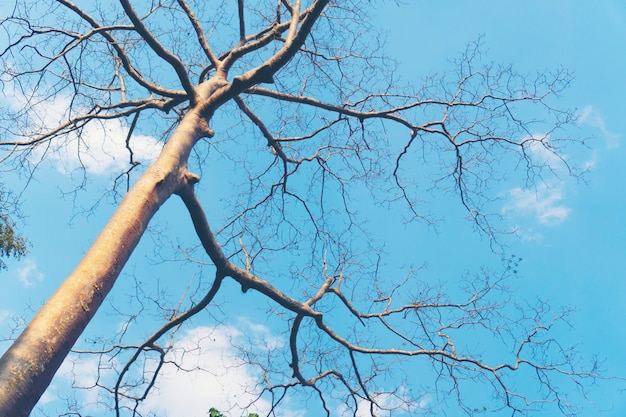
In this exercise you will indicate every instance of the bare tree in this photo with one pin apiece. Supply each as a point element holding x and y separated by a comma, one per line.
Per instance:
<point>322,122</point>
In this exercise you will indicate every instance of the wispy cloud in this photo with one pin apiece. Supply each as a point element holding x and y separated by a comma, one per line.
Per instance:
<point>590,116</point>
<point>99,147</point>
<point>542,205</point>
<point>29,274</point>
<point>542,154</point>
<point>205,368</point>
<point>211,373</point>
<point>82,373</point>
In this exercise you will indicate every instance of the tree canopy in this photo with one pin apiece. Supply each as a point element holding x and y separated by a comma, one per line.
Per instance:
<point>310,147</point>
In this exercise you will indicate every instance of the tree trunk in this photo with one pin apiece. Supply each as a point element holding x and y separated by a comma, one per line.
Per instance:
<point>27,368</point>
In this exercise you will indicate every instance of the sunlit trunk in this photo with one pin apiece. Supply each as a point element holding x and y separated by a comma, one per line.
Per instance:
<point>27,368</point>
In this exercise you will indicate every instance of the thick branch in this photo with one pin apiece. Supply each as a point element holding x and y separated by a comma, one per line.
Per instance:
<point>295,39</point>
<point>227,268</point>
<point>389,114</point>
<point>156,46</point>
<point>242,23</point>
<point>199,33</point>
<point>123,56</point>
<point>271,141</point>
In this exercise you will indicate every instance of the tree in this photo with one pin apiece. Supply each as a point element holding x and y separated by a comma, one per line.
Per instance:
<point>12,244</point>
<point>322,125</point>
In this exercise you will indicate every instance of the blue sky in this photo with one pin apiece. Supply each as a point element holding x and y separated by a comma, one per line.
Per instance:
<point>581,260</point>
<point>571,232</point>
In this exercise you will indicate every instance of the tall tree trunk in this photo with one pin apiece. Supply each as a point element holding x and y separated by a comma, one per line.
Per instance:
<point>27,368</point>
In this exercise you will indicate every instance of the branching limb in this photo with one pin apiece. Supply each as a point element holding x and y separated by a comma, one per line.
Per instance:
<point>246,279</point>
<point>75,123</point>
<point>299,28</point>
<point>199,33</point>
<point>122,55</point>
<point>156,46</point>
<point>389,114</point>
<point>271,141</point>
<point>150,343</point>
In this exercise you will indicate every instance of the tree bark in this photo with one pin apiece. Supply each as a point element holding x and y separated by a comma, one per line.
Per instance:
<point>27,368</point>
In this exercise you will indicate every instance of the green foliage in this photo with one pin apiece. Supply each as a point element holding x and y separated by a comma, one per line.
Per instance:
<point>215,413</point>
<point>12,244</point>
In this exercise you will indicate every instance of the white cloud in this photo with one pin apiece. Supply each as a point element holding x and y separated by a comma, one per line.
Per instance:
<point>29,274</point>
<point>262,335</point>
<point>541,153</point>
<point>99,147</point>
<point>590,116</point>
<point>209,373</point>
<point>81,372</point>
<point>204,369</point>
<point>543,204</point>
